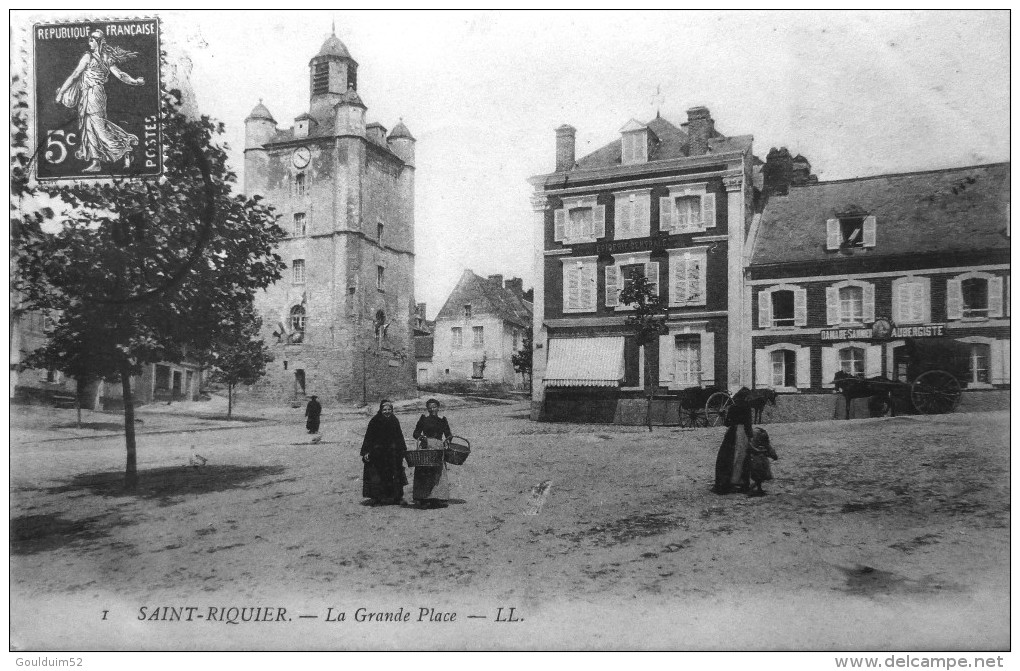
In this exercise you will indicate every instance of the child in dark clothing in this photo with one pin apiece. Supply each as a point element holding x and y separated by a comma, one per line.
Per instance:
<point>758,455</point>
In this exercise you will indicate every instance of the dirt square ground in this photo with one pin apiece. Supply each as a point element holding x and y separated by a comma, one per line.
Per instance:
<point>886,534</point>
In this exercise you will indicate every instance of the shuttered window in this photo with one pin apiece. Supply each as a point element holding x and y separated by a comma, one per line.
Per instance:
<point>784,368</point>
<point>579,285</point>
<point>687,360</point>
<point>579,220</point>
<point>974,295</point>
<point>633,214</point>
<point>687,278</point>
<point>912,300</point>
<point>851,360</point>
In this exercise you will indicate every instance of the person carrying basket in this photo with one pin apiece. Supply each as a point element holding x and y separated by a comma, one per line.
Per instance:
<point>432,483</point>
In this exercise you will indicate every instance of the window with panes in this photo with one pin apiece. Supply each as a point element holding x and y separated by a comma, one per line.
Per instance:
<point>687,360</point>
<point>478,336</point>
<point>851,360</point>
<point>784,368</point>
<point>300,225</point>
<point>299,184</point>
<point>851,305</point>
<point>297,320</point>
<point>977,362</point>
<point>299,271</point>
<point>688,212</point>
<point>457,337</point>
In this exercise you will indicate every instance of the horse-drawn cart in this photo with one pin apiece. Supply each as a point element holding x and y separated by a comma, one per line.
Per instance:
<point>703,406</point>
<point>935,372</point>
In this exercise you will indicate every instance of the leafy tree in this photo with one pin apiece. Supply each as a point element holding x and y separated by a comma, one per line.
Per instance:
<point>239,357</point>
<point>142,270</point>
<point>647,321</point>
<point>521,360</point>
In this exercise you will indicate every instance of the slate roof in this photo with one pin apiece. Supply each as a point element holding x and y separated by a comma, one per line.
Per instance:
<point>400,130</point>
<point>486,297</point>
<point>672,142</point>
<point>959,209</point>
<point>334,47</point>
<point>260,111</point>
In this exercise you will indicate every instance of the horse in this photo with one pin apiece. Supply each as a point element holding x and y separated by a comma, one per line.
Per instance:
<point>758,399</point>
<point>877,389</point>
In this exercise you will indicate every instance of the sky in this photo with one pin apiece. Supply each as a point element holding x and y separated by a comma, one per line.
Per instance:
<point>857,93</point>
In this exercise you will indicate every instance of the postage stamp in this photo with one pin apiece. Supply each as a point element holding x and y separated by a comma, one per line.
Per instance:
<point>97,99</point>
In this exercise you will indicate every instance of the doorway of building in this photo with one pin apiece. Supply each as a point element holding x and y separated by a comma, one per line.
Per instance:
<point>299,382</point>
<point>178,379</point>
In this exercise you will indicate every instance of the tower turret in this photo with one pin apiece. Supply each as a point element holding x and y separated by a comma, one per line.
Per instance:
<point>331,72</point>
<point>259,127</point>
<point>401,143</point>
<point>350,114</point>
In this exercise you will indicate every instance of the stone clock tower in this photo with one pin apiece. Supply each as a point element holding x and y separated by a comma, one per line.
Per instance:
<point>339,323</point>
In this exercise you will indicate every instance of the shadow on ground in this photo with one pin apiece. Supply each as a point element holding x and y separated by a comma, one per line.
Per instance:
<point>38,533</point>
<point>93,426</point>
<point>159,483</point>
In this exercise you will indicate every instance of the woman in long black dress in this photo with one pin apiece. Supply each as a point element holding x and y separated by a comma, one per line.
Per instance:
<point>731,473</point>
<point>382,451</point>
<point>432,483</point>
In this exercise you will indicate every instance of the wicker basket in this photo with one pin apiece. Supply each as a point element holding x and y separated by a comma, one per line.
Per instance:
<point>457,450</point>
<point>417,458</point>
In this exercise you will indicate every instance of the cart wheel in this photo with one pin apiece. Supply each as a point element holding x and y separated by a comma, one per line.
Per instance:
<point>691,418</point>
<point>715,408</point>
<point>935,392</point>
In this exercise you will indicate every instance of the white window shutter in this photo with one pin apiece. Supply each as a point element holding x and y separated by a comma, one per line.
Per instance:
<point>869,302</point>
<point>869,231</point>
<point>803,355</point>
<point>652,273</point>
<point>764,309</point>
<point>571,287</point>
<point>643,212</point>
<point>800,307</point>
<point>612,286</point>
<point>696,274</point>
<point>708,210</point>
<point>762,369</point>
<point>954,299</point>
<point>899,302</point>
<point>667,371</point>
<point>926,300</point>
<point>666,214</point>
<point>678,285</point>
<point>872,360</point>
<point>832,234</point>
<point>623,218</point>
<point>587,282</point>
<point>599,214</point>
<point>1005,361</point>
<point>707,358</point>
<point>830,364</point>
<point>831,305</point>
<point>995,297</point>
<point>559,225</point>
<point>995,363</point>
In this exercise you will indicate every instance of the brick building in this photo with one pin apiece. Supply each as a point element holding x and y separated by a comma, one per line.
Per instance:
<point>673,203</point>
<point>340,323</point>
<point>928,251</point>
<point>477,331</point>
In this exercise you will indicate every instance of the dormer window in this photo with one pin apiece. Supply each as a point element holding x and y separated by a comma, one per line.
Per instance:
<point>850,231</point>
<point>467,311</point>
<point>635,143</point>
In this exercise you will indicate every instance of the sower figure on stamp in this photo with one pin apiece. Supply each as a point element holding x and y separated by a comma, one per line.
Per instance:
<point>85,90</point>
<point>432,483</point>
<point>313,411</point>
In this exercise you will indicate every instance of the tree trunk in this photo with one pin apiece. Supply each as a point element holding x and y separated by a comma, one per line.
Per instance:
<point>79,391</point>
<point>230,399</point>
<point>131,468</point>
<point>648,387</point>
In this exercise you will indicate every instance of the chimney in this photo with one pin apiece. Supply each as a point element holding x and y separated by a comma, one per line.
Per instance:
<point>565,136</point>
<point>778,172</point>
<point>516,285</point>
<point>377,133</point>
<point>497,280</point>
<point>700,127</point>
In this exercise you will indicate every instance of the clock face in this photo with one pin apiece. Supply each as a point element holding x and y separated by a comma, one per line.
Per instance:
<point>301,157</point>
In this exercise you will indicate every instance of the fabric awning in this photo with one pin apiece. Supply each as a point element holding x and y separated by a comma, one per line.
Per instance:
<point>585,362</point>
